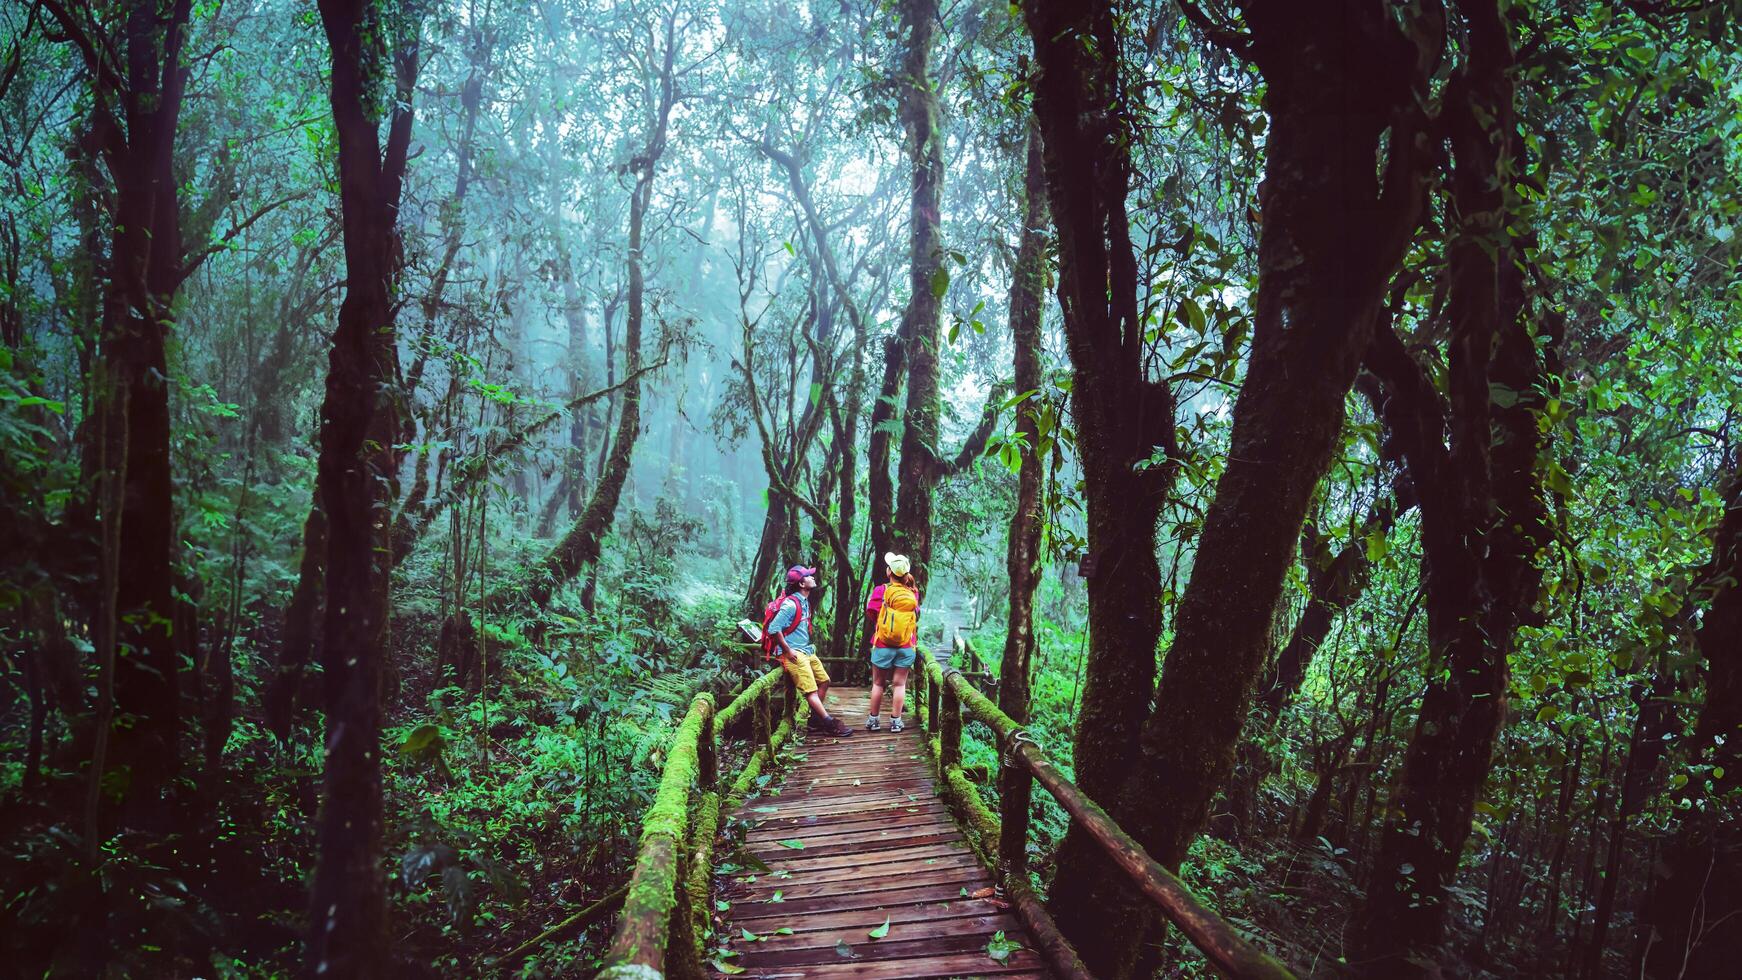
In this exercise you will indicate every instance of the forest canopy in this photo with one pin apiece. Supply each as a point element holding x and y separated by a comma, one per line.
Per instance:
<point>1317,425</point>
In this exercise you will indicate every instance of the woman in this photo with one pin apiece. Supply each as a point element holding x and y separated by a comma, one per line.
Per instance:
<point>894,612</point>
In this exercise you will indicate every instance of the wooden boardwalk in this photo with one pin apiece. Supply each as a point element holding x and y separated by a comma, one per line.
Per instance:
<point>879,848</point>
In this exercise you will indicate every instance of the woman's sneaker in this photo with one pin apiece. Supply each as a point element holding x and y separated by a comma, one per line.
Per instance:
<point>872,724</point>
<point>895,724</point>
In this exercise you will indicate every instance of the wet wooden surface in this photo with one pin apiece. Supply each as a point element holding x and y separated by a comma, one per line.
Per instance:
<point>878,847</point>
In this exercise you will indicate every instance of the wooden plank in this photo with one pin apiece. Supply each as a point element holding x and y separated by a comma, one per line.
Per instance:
<point>868,950</point>
<point>924,968</point>
<point>961,908</point>
<point>795,872</point>
<point>832,825</point>
<point>777,820</point>
<point>767,884</point>
<point>871,884</point>
<point>832,848</point>
<point>853,901</point>
<point>974,925</point>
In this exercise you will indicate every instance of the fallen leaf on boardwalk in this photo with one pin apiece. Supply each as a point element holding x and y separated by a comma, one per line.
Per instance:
<point>783,931</point>
<point>986,892</point>
<point>999,948</point>
<point>855,782</point>
<point>777,898</point>
<point>765,809</point>
<point>723,905</point>
<point>728,968</point>
<point>842,949</point>
<point>964,891</point>
<point>782,873</point>
<point>798,845</point>
<point>880,931</point>
<point>750,937</point>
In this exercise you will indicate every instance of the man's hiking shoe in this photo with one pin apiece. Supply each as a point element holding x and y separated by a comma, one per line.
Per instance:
<point>838,728</point>
<point>815,724</point>
<point>871,724</point>
<point>895,725</point>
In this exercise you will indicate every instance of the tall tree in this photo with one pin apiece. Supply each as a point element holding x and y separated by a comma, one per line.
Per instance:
<point>356,479</point>
<point>138,80</point>
<point>1122,416</point>
<point>1483,519</point>
<point>927,280</point>
<point>1022,557</point>
<point>1334,231</point>
<point>580,545</point>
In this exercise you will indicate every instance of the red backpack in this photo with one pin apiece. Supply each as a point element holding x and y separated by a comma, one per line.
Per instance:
<point>768,614</point>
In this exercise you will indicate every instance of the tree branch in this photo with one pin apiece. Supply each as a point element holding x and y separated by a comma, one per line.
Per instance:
<point>192,264</point>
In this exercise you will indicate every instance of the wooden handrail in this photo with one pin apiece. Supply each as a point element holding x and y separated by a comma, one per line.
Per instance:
<point>1209,932</point>
<point>669,892</point>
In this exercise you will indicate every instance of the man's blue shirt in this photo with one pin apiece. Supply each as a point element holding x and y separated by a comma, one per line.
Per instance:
<point>799,639</point>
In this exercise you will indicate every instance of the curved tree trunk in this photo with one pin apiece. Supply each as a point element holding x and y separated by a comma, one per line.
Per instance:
<point>580,545</point>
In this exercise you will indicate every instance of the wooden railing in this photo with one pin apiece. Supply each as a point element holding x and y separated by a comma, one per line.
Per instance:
<point>1002,838</point>
<point>668,901</point>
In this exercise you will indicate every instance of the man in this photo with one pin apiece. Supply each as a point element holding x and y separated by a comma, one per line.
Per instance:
<point>790,631</point>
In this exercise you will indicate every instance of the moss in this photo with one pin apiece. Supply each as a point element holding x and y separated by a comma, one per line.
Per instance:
<point>629,971</point>
<point>669,814</point>
<point>746,698</point>
<point>970,807</point>
<point>699,879</point>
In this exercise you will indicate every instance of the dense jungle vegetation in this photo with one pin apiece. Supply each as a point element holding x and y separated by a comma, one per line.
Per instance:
<point>1323,416</point>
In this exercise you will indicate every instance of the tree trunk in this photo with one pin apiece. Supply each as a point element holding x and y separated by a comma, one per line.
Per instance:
<point>1022,558</point>
<point>355,482</point>
<point>1121,418</point>
<point>137,107</point>
<point>927,279</point>
<point>580,545</point>
<point>1482,517</point>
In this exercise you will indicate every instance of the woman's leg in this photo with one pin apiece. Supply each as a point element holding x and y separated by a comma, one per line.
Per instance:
<point>900,691</point>
<point>879,681</point>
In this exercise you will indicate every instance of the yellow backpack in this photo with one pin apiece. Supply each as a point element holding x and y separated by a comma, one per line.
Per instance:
<point>898,620</point>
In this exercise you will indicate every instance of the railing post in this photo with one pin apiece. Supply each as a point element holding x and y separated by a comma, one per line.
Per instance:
<point>1015,790</point>
<point>759,725</point>
<point>707,756</point>
<point>950,731</point>
<point>932,697</point>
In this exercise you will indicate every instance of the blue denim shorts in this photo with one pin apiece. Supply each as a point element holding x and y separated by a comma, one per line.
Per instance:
<point>887,657</point>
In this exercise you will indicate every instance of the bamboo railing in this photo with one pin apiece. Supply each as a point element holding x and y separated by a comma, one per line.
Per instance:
<point>1002,838</point>
<point>666,909</point>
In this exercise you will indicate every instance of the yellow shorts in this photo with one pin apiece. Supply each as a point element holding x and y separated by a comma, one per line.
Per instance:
<point>806,671</point>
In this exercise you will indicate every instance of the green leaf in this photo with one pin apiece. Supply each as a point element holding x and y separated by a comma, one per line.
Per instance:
<point>880,931</point>
<point>777,897</point>
<point>845,951</point>
<point>796,845</point>
<point>727,968</point>
<point>940,282</point>
<point>749,936</point>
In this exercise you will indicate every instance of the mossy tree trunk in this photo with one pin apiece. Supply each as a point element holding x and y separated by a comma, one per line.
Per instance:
<point>356,481</point>
<point>1123,419</point>
<point>137,83</point>
<point>580,545</point>
<point>927,280</point>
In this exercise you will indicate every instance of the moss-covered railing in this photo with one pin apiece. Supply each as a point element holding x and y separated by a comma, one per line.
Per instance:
<point>1002,838</point>
<point>665,912</point>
